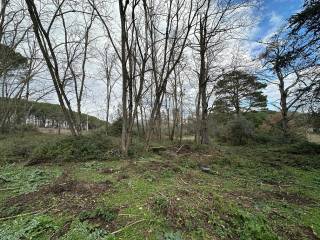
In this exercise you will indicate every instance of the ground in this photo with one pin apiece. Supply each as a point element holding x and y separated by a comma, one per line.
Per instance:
<point>218,192</point>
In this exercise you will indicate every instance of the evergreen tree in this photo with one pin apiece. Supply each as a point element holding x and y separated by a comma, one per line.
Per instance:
<point>240,91</point>
<point>307,22</point>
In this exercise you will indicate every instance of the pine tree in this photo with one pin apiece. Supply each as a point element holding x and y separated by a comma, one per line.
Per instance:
<point>240,91</point>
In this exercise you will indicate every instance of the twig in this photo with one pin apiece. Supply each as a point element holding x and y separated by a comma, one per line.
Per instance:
<point>127,214</point>
<point>180,149</point>
<point>183,181</point>
<point>26,214</point>
<point>129,225</point>
<point>163,195</point>
<point>7,189</point>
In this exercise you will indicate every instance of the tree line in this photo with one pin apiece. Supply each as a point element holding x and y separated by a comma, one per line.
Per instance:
<point>168,59</point>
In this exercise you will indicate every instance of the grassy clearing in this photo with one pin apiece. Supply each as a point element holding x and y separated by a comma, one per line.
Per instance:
<point>251,192</point>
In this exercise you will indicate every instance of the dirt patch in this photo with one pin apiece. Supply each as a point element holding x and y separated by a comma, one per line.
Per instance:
<point>248,199</point>
<point>107,170</point>
<point>122,176</point>
<point>293,198</point>
<point>242,197</point>
<point>184,149</point>
<point>102,217</point>
<point>308,231</point>
<point>64,194</point>
<point>296,232</point>
<point>75,187</point>
<point>160,166</point>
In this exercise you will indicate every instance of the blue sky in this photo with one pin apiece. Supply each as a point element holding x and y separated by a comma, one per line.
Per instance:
<point>273,13</point>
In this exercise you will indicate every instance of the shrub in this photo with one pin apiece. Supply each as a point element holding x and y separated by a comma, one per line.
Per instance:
<point>95,146</point>
<point>136,148</point>
<point>202,148</point>
<point>269,137</point>
<point>107,214</point>
<point>170,236</point>
<point>304,148</point>
<point>275,136</point>
<point>239,131</point>
<point>19,147</point>
<point>115,128</point>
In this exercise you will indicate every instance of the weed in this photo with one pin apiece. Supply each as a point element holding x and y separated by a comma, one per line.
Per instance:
<point>304,148</point>
<point>105,214</point>
<point>170,236</point>
<point>83,230</point>
<point>22,180</point>
<point>37,227</point>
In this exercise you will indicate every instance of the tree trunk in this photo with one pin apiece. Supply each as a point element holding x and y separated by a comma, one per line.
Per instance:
<point>125,80</point>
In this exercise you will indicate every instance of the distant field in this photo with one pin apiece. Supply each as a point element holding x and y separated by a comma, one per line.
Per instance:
<point>54,131</point>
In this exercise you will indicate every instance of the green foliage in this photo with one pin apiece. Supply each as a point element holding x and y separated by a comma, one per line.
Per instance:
<point>36,227</point>
<point>270,137</point>
<point>307,22</point>
<point>107,214</point>
<point>304,148</point>
<point>137,148</point>
<point>42,111</point>
<point>86,147</point>
<point>257,118</point>
<point>255,192</point>
<point>239,90</point>
<point>252,227</point>
<point>19,147</point>
<point>239,131</point>
<point>83,230</point>
<point>170,236</point>
<point>115,128</point>
<point>160,204</point>
<point>203,148</point>
<point>10,60</point>
<point>23,179</point>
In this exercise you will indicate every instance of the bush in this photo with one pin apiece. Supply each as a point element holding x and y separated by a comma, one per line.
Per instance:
<point>271,137</point>
<point>19,147</point>
<point>275,136</point>
<point>106,214</point>
<point>115,128</point>
<point>304,148</point>
<point>136,148</point>
<point>95,146</point>
<point>238,131</point>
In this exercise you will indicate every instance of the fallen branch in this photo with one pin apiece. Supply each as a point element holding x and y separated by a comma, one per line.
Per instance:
<point>8,189</point>
<point>127,214</point>
<point>183,181</point>
<point>26,214</point>
<point>129,225</point>
<point>178,151</point>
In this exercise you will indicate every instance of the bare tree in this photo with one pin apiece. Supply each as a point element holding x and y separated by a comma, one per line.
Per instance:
<point>66,51</point>
<point>110,73</point>
<point>167,46</point>
<point>216,24</point>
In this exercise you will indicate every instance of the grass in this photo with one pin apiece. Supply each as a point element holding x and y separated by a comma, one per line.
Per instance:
<point>251,192</point>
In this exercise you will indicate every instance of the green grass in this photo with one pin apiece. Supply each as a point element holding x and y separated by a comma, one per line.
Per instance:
<point>252,192</point>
